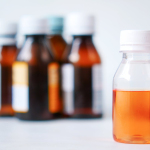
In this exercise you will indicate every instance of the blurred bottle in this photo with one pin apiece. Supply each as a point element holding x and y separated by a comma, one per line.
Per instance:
<point>81,71</point>
<point>58,44</point>
<point>8,52</point>
<point>35,74</point>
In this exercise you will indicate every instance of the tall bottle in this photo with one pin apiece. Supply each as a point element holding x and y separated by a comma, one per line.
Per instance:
<point>57,43</point>
<point>58,46</point>
<point>131,89</point>
<point>35,74</point>
<point>81,71</point>
<point>8,52</point>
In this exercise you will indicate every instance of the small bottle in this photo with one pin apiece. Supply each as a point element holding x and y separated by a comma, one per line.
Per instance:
<point>81,71</point>
<point>35,74</point>
<point>56,41</point>
<point>131,89</point>
<point>8,52</point>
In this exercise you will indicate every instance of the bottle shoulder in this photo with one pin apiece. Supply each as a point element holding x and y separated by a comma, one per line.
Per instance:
<point>58,46</point>
<point>82,53</point>
<point>35,52</point>
<point>133,68</point>
<point>8,54</point>
<point>132,76</point>
<point>55,39</point>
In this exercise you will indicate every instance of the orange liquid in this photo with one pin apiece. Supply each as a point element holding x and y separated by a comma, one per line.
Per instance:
<point>131,116</point>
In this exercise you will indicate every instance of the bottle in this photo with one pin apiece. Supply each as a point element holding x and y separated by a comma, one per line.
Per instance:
<point>58,46</point>
<point>8,52</point>
<point>35,74</point>
<point>81,70</point>
<point>131,89</point>
<point>56,41</point>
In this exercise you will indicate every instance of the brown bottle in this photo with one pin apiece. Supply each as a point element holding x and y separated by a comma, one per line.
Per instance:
<point>8,53</point>
<point>81,72</point>
<point>56,41</point>
<point>35,75</point>
<point>58,46</point>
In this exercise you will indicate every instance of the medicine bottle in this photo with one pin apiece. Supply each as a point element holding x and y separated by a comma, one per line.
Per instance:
<point>35,74</point>
<point>81,71</point>
<point>8,52</point>
<point>56,41</point>
<point>131,89</point>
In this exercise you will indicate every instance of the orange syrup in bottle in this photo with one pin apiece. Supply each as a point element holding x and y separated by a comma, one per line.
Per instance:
<point>131,116</point>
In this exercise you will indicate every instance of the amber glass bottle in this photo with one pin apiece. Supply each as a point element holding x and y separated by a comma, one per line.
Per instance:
<point>58,46</point>
<point>81,71</point>
<point>56,41</point>
<point>35,74</point>
<point>8,53</point>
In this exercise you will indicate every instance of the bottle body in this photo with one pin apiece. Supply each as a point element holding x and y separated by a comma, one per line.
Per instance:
<point>35,76</point>
<point>58,46</point>
<point>81,85</point>
<point>131,100</point>
<point>8,56</point>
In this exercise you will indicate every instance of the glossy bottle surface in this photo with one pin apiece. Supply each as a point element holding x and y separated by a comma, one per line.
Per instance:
<point>79,100</point>
<point>8,56</point>
<point>131,99</point>
<point>58,46</point>
<point>38,58</point>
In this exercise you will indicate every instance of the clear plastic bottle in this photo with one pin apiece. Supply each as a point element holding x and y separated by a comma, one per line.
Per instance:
<point>131,89</point>
<point>8,52</point>
<point>56,40</point>
<point>35,74</point>
<point>81,71</point>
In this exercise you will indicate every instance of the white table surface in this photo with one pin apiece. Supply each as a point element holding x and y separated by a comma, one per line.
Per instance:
<point>64,134</point>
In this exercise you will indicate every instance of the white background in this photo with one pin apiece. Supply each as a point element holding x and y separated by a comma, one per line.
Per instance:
<point>112,16</point>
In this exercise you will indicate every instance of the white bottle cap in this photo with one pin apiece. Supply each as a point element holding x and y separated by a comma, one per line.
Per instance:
<point>7,28</point>
<point>80,24</point>
<point>7,33</point>
<point>135,40</point>
<point>30,25</point>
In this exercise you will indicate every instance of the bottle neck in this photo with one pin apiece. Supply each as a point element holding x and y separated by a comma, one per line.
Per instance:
<point>136,56</point>
<point>83,40</point>
<point>55,35</point>
<point>36,37</point>
<point>83,37</point>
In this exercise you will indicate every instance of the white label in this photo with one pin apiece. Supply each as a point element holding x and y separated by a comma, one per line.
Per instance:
<point>68,77</point>
<point>97,88</point>
<point>20,88</point>
<point>68,87</point>
<point>20,98</point>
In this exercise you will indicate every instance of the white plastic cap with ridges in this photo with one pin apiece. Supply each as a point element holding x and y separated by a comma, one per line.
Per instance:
<point>80,24</point>
<point>7,28</point>
<point>30,25</point>
<point>135,41</point>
